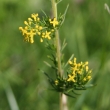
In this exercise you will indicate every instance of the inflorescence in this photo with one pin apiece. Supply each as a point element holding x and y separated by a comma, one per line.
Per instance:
<point>34,26</point>
<point>80,72</point>
<point>77,76</point>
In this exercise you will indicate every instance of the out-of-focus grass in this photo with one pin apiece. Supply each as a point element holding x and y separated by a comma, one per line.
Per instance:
<point>86,29</point>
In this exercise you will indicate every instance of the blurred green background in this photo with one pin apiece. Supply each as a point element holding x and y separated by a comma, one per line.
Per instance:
<point>87,32</point>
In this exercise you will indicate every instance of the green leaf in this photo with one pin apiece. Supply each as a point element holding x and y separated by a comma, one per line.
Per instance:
<point>70,95</point>
<point>63,45</point>
<point>63,16</point>
<point>69,59</point>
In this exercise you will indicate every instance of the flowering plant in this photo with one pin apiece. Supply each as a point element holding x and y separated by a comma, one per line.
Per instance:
<point>77,74</point>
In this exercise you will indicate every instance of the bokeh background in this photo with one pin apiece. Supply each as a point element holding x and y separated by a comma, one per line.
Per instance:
<point>87,32</point>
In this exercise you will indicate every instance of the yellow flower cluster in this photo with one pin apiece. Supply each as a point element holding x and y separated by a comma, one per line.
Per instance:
<point>34,27</point>
<point>79,71</point>
<point>79,74</point>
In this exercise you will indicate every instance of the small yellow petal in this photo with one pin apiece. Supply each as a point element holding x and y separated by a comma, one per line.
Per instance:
<point>20,28</point>
<point>25,22</point>
<point>70,62</point>
<point>87,68</point>
<point>86,63</point>
<point>41,40</point>
<point>89,77</point>
<point>40,27</point>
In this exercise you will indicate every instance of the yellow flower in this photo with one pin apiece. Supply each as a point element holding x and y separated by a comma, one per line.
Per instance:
<point>39,33</point>
<point>79,72</point>
<point>38,19</point>
<point>25,22</point>
<point>31,35</point>
<point>24,31</point>
<point>43,35</point>
<point>84,79</point>
<point>20,28</point>
<point>89,77</point>
<point>40,28</point>
<point>87,68</point>
<point>54,22</point>
<point>26,28</point>
<point>31,39</point>
<point>74,60</point>
<point>47,35</point>
<point>26,38</point>
<point>41,40</point>
<point>30,19</point>
<point>78,64</point>
<point>34,27</point>
<point>70,62</point>
<point>37,26</point>
<point>71,78</point>
<point>34,16</point>
<point>86,63</point>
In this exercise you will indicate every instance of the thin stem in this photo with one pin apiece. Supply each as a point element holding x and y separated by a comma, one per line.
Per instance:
<point>63,99</point>
<point>54,8</point>
<point>57,42</point>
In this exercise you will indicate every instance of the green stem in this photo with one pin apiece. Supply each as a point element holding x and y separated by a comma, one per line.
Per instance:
<point>63,105</point>
<point>57,42</point>
<point>54,8</point>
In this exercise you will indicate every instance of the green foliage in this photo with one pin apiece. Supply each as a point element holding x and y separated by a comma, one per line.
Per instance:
<point>86,29</point>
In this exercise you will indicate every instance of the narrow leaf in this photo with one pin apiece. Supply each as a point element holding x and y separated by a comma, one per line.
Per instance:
<point>69,59</point>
